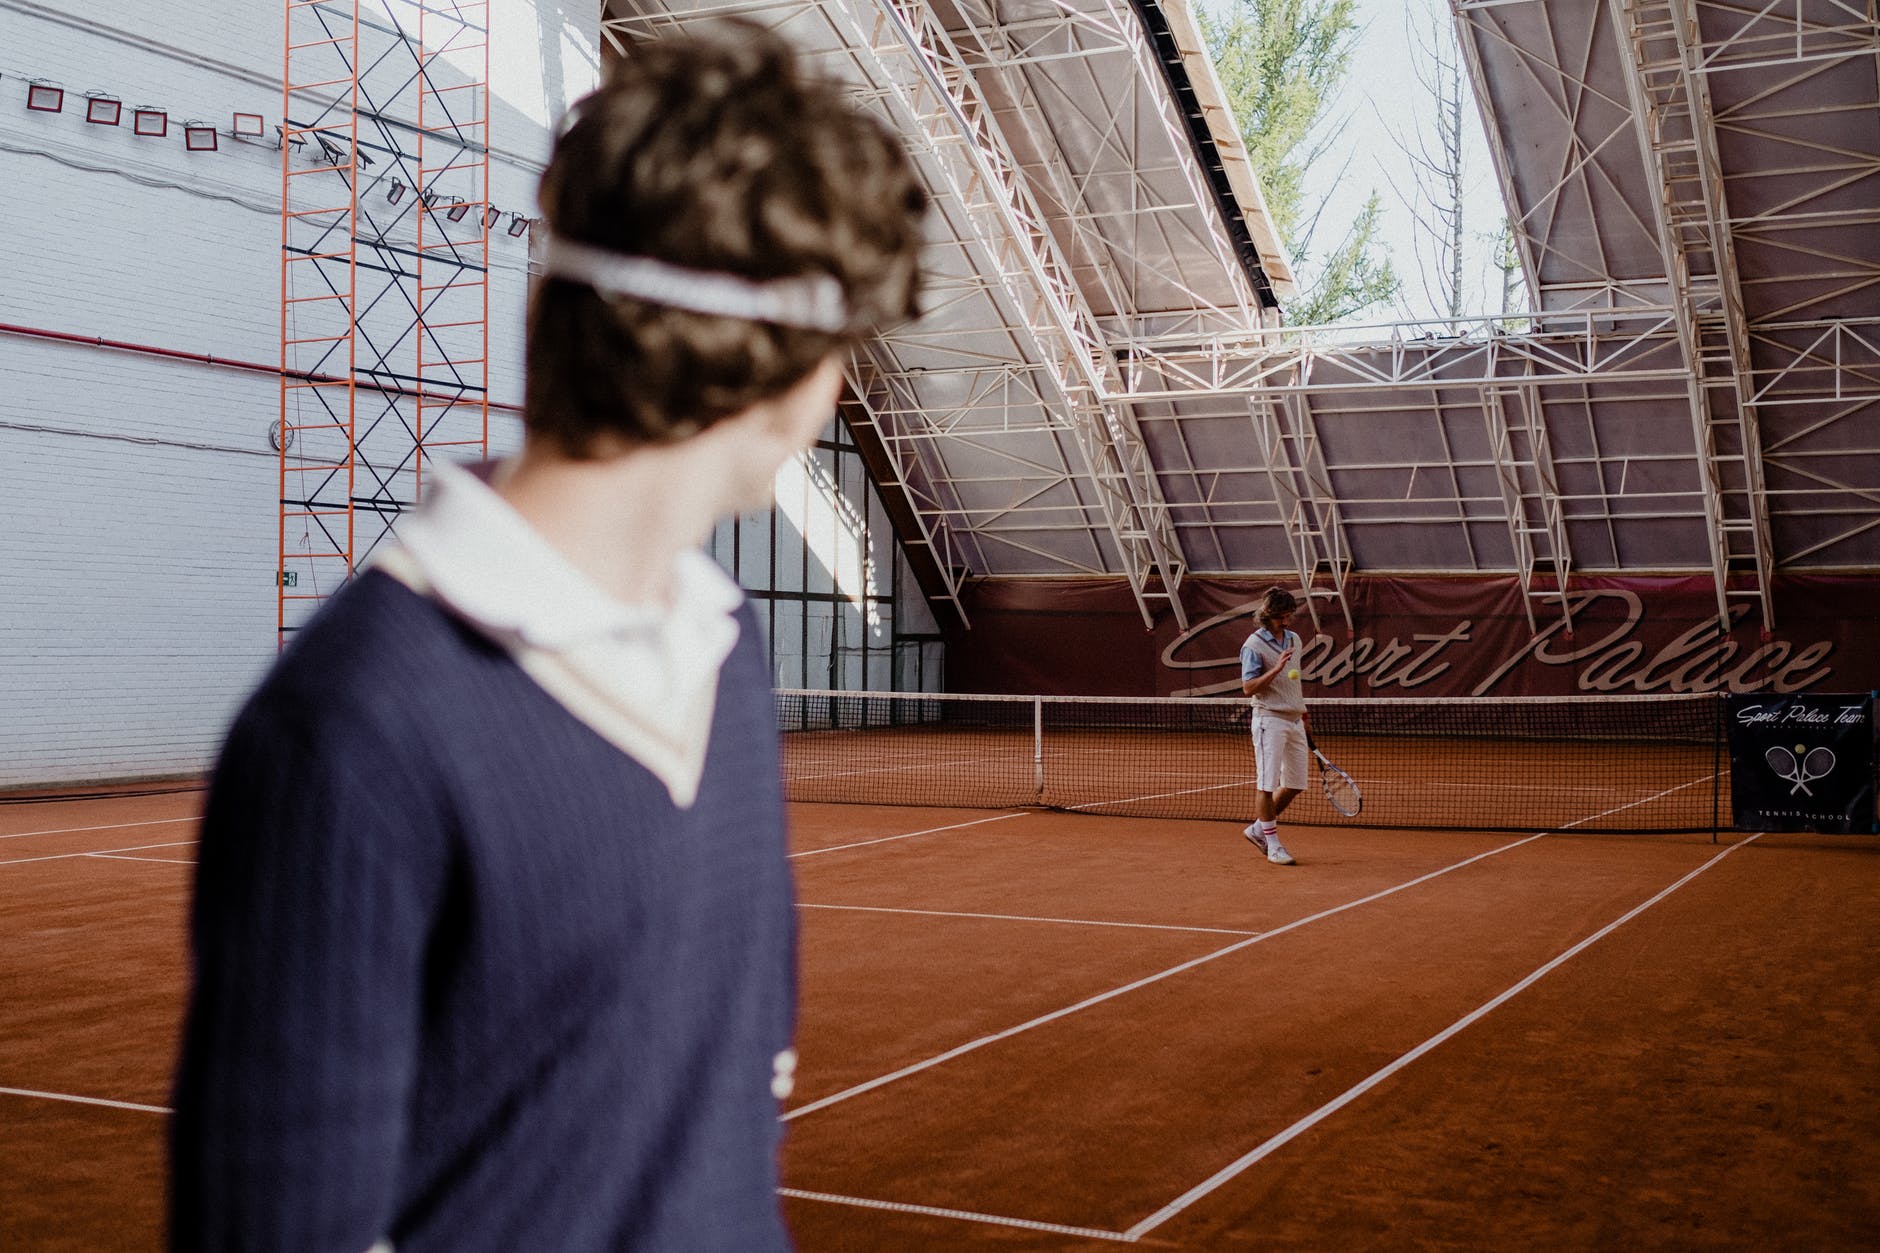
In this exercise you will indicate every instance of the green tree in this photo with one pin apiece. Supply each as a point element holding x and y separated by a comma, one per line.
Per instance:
<point>1280,62</point>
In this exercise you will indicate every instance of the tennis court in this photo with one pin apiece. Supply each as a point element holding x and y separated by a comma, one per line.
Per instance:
<point>1023,1028</point>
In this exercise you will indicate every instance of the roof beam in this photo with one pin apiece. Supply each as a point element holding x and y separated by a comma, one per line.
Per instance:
<point>1665,73</point>
<point>1524,468</point>
<point>901,46</point>
<point>1302,489</point>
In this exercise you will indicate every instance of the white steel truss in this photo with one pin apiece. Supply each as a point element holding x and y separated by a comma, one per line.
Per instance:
<point>1530,490</point>
<point>906,51</point>
<point>1108,38</point>
<point>933,530</point>
<point>1302,490</point>
<point>1090,347</point>
<point>1677,132</point>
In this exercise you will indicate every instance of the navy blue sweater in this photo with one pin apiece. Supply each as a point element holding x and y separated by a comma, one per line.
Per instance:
<point>465,978</point>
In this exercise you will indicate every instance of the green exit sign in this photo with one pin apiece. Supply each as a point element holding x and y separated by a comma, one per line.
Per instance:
<point>289,578</point>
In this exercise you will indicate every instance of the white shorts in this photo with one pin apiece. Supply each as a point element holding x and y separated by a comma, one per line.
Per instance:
<point>1280,753</point>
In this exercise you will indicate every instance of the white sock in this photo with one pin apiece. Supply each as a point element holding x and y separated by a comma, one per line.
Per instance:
<point>1269,829</point>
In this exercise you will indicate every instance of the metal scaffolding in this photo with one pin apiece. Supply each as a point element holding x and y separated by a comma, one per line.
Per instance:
<point>1677,132</point>
<point>385,219</point>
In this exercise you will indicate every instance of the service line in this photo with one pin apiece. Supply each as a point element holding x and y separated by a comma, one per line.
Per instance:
<point>95,853</point>
<point>933,1211</point>
<point>889,839</point>
<point>1074,922</point>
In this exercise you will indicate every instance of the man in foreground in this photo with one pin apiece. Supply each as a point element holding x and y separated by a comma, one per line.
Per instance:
<point>493,931</point>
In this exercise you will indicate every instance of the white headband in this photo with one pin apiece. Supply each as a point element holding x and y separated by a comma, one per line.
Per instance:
<point>813,301</point>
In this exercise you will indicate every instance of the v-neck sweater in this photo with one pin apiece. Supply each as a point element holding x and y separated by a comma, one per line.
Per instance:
<point>465,977</point>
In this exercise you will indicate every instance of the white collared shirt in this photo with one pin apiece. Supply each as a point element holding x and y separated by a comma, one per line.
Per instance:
<point>643,677</point>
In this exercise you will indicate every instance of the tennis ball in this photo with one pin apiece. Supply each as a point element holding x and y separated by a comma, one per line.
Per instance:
<point>1801,748</point>
<point>1292,674</point>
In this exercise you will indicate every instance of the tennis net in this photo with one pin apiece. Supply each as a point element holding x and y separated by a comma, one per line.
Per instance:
<point>1623,764</point>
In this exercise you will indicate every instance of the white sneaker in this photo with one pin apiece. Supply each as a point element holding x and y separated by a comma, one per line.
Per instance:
<point>1253,835</point>
<point>1276,852</point>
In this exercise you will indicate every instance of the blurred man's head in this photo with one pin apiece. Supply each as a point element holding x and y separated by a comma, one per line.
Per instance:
<point>708,171</point>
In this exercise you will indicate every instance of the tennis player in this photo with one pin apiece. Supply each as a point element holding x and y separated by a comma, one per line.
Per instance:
<point>1269,674</point>
<point>493,936</point>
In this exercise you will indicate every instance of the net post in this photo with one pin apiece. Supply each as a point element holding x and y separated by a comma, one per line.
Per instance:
<point>1717,731</point>
<point>1037,747</point>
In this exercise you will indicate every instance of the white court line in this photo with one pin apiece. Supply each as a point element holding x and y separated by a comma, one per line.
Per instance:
<point>1156,796</point>
<point>967,1215</point>
<point>925,763</point>
<point>1493,785</point>
<point>1075,922</point>
<point>1357,1090</point>
<point>168,861</point>
<point>888,839</point>
<point>85,1100</point>
<point>135,848</point>
<point>1144,982</point>
<point>106,826</point>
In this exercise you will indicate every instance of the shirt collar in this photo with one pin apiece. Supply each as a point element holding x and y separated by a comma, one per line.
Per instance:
<point>492,568</point>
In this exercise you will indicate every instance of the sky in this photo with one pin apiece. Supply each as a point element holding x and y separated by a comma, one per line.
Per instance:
<point>1382,105</point>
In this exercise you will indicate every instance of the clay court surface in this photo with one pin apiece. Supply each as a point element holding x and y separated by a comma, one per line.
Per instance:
<point>1038,1030</point>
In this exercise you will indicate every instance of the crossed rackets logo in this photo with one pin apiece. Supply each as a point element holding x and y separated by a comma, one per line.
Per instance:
<point>1798,768</point>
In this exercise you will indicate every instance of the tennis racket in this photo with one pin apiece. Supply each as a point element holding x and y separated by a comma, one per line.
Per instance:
<point>1817,765</point>
<point>1341,792</point>
<point>1782,761</point>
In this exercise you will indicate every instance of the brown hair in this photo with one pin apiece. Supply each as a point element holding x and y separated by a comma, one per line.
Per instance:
<point>1276,602</point>
<point>714,152</point>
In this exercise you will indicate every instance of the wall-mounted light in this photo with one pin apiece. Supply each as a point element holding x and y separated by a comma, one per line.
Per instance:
<point>491,215</point>
<point>150,121</point>
<point>282,137</point>
<point>334,155</point>
<point>44,97</point>
<point>458,209</point>
<point>198,136</point>
<point>429,196</point>
<point>395,192</point>
<point>102,110</point>
<point>247,126</point>
<point>518,224</point>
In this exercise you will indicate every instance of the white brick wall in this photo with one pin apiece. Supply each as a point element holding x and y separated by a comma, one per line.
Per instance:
<point>138,495</point>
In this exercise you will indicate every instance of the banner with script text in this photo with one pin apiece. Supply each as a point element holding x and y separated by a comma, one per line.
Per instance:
<point>1415,636</point>
<point>1802,763</point>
